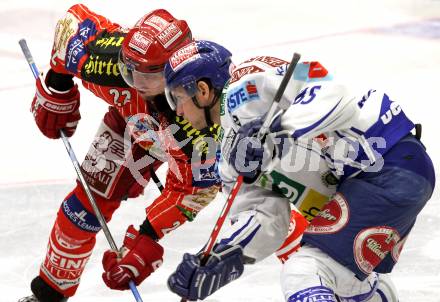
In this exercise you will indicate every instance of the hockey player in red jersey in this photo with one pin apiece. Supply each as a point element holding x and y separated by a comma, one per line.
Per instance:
<point>125,69</point>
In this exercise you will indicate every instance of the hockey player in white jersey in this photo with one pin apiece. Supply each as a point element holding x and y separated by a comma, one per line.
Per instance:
<point>384,174</point>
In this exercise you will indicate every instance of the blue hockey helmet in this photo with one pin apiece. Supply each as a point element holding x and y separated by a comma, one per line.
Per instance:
<point>196,61</point>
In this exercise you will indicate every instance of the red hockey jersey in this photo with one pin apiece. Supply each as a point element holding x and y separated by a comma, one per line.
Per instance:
<point>86,45</point>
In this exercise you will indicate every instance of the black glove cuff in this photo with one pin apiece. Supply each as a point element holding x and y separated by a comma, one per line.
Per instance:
<point>59,81</point>
<point>147,229</point>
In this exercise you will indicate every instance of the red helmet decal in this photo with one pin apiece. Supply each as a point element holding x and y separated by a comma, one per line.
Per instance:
<point>140,42</point>
<point>150,43</point>
<point>156,22</point>
<point>184,55</point>
<point>332,218</point>
<point>170,34</point>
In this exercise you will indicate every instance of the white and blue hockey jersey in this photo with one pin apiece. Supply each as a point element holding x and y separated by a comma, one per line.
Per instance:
<point>355,129</point>
<point>341,134</point>
<point>301,176</point>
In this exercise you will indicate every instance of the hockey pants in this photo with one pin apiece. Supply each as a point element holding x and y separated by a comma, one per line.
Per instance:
<point>312,275</point>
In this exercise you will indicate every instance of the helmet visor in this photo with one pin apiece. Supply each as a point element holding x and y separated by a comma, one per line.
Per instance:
<point>137,79</point>
<point>180,94</point>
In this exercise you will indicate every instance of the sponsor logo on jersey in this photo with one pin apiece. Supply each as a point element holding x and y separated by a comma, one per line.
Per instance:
<point>105,42</point>
<point>242,95</point>
<point>223,99</point>
<point>394,110</point>
<point>103,162</point>
<point>140,43</point>
<point>79,216</point>
<point>97,66</point>
<point>268,60</point>
<point>75,52</point>
<point>311,204</point>
<point>238,73</point>
<point>365,98</point>
<point>397,249</point>
<point>200,199</point>
<point>66,241</point>
<point>222,104</point>
<point>169,35</point>
<point>206,175</point>
<point>202,142</point>
<point>371,246</point>
<point>332,218</point>
<point>63,268</point>
<point>183,56</point>
<point>65,30</point>
<point>156,22</point>
<point>329,179</point>
<point>316,293</point>
<point>287,187</point>
<point>66,263</point>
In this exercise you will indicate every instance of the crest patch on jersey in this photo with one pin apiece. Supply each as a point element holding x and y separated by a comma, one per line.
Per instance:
<point>372,245</point>
<point>332,218</point>
<point>329,179</point>
<point>397,249</point>
<point>65,30</point>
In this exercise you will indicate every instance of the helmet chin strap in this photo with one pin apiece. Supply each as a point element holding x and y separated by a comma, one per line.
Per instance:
<point>207,109</point>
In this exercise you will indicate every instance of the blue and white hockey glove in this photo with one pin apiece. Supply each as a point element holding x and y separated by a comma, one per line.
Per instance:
<point>247,153</point>
<point>193,281</point>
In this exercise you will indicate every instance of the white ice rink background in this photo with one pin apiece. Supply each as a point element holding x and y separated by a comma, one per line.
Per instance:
<point>393,45</point>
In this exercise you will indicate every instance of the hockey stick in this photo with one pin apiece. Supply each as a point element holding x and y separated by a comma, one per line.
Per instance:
<point>99,216</point>
<point>156,179</point>
<point>261,134</point>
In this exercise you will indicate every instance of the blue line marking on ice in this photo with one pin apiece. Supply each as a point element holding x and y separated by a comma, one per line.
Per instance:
<point>427,29</point>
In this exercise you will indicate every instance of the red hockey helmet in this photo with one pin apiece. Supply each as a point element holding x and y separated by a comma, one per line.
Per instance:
<point>150,43</point>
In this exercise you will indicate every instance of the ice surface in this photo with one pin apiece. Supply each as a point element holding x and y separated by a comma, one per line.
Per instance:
<point>393,45</point>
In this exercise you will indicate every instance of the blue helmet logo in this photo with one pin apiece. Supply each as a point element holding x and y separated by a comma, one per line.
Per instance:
<point>198,60</point>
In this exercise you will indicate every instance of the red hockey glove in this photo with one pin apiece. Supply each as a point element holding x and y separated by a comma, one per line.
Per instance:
<point>55,110</point>
<point>141,256</point>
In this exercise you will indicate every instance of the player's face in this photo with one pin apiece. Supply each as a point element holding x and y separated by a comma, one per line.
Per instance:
<point>148,84</point>
<point>185,107</point>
